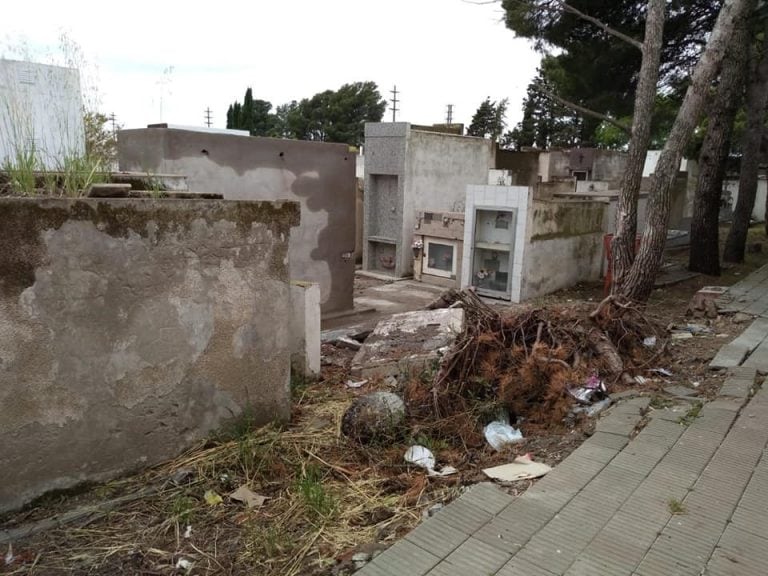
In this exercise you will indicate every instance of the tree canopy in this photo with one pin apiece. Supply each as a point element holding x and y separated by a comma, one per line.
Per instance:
<point>328,116</point>
<point>588,65</point>
<point>488,121</point>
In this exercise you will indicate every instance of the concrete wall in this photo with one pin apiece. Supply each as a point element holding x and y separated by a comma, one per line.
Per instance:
<point>305,328</point>
<point>565,245</point>
<point>129,329</point>
<point>40,108</point>
<point>731,186</point>
<point>524,165</point>
<point>609,165</point>
<point>320,176</point>
<point>408,171</point>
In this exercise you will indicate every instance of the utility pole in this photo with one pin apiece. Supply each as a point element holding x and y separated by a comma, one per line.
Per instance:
<point>394,101</point>
<point>208,117</point>
<point>449,115</point>
<point>113,119</point>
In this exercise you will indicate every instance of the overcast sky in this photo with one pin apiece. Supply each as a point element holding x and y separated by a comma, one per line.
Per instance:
<point>168,60</point>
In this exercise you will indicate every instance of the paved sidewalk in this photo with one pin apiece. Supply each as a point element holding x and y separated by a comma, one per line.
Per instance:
<point>750,296</point>
<point>684,496</point>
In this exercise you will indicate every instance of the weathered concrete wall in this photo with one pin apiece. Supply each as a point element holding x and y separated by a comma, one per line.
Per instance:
<point>407,171</point>
<point>524,165</point>
<point>565,245</point>
<point>609,165</point>
<point>438,169</point>
<point>131,328</point>
<point>320,176</point>
<point>385,145</point>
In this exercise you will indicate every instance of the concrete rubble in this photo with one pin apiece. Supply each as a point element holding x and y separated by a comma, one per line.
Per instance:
<point>408,341</point>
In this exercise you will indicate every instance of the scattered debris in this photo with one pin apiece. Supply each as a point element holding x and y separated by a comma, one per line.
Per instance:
<point>9,555</point>
<point>423,458</point>
<point>523,468</point>
<point>432,510</point>
<point>358,384</point>
<point>184,564</point>
<point>360,559</point>
<point>499,434</point>
<point>182,475</point>
<point>346,342</point>
<point>374,416</point>
<point>420,456</point>
<point>662,371</point>
<point>649,342</point>
<point>248,497</point>
<point>681,335</point>
<point>212,498</point>
<point>704,302</point>
<point>594,409</point>
<point>408,341</point>
<point>188,531</point>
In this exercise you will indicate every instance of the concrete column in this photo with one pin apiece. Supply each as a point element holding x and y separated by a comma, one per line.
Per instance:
<point>305,328</point>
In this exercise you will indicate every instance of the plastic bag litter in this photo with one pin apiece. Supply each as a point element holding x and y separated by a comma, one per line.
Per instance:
<point>423,458</point>
<point>499,434</point>
<point>649,342</point>
<point>358,384</point>
<point>420,456</point>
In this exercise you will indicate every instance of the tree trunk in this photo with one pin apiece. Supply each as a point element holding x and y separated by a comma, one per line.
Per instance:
<point>704,255</point>
<point>638,283</point>
<point>757,101</point>
<point>623,245</point>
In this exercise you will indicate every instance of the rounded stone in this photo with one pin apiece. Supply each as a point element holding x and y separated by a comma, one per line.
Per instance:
<point>375,416</point>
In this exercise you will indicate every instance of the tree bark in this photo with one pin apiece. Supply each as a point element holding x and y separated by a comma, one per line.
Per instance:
<point>704,255</point>
<point>623,245</point>
<point>639,281</point>
<point>757,102</point>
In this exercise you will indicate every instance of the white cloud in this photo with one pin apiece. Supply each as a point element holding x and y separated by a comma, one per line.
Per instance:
<point>436,51</point>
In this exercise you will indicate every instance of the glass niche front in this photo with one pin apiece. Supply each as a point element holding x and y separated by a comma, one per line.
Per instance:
<point>492,252</point>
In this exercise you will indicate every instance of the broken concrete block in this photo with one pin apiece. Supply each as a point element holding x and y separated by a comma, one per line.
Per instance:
<point>375,416</point>
<point>407,341</point>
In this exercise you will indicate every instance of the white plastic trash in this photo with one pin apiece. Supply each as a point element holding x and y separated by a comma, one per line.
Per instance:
<point>499,434</point>
<point>420,456</point>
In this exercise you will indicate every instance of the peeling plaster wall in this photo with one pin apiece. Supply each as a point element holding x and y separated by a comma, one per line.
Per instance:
<point>318,175</point>
<point>131,328</point>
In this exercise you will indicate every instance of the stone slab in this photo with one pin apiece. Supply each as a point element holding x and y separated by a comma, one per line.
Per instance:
<point>407,340</point>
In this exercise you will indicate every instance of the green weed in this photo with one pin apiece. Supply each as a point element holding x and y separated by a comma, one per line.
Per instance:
<point>693,413</point>
<point>22,171</point>
<point>315,497</point>
<point>675,506</point>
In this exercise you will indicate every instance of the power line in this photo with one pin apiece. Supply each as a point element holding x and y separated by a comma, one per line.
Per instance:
<point>208,117</point>
<point>394,101</point>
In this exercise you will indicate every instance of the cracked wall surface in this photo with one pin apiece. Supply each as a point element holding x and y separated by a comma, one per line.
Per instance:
<point>130,329</point>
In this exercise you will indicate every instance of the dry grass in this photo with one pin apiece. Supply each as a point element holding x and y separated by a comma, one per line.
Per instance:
<point>326,497</point>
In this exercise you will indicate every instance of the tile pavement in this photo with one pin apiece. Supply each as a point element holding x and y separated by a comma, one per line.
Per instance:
<point>671,500</point>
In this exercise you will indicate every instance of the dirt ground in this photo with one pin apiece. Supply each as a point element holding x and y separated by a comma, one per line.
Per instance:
<point>325,498</point>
